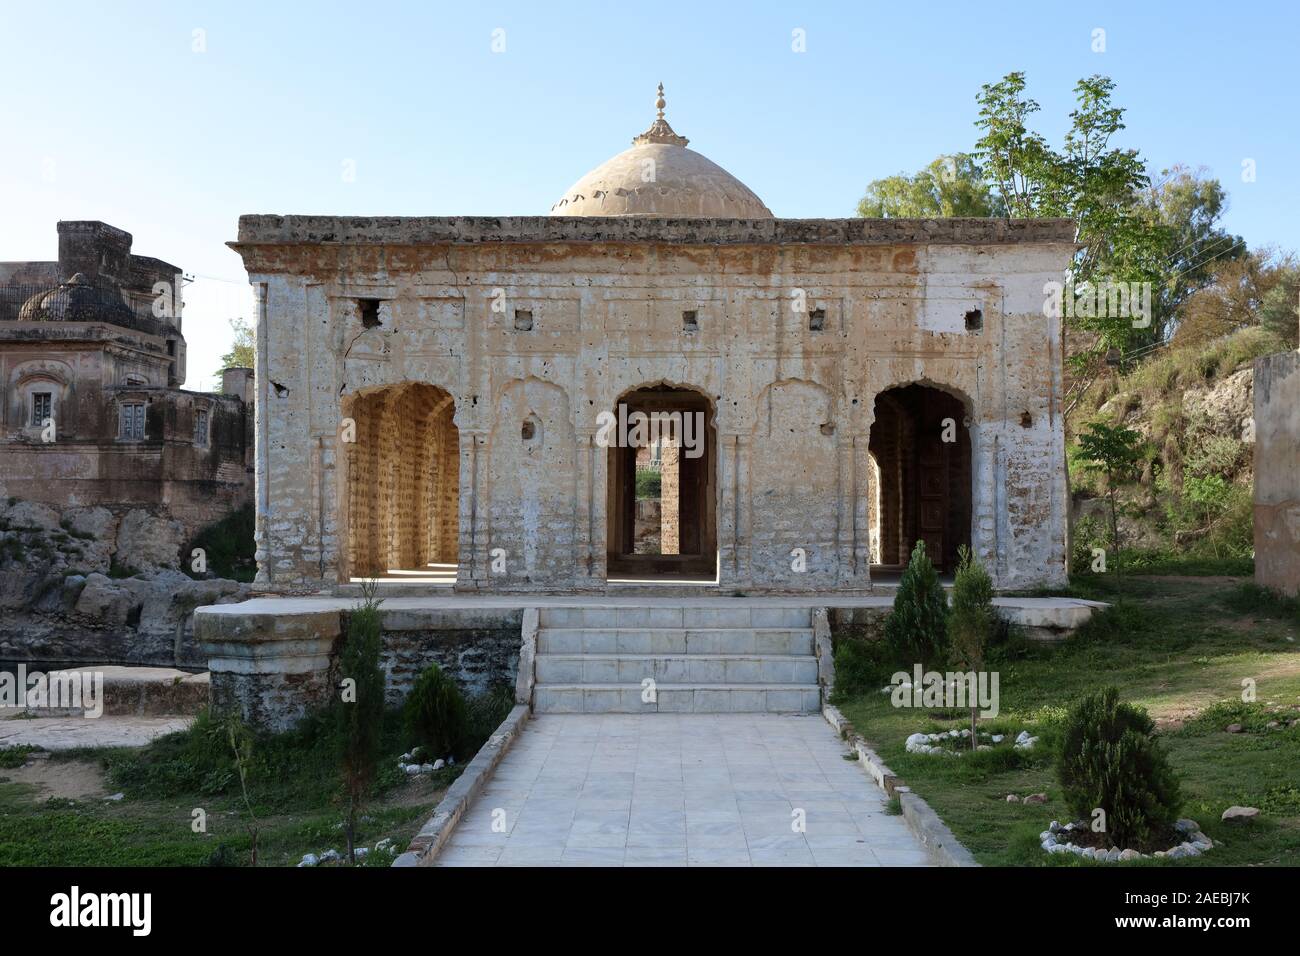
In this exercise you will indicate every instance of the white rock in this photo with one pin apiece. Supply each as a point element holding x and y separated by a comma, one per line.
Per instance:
<point>426,768</point>
<point>998,738</point>
<point>1022,736</point>
<point>1240,813</point>
<point>383,844</point>
<point>412,769</point>
<point>1088,853</point>
<point>438,765</point>
<point>309,859</point>
<point>915,742</point>
<point>1129,855</point>
<point>329,856</point>
<point>362,852</point>
<point>117,797</point>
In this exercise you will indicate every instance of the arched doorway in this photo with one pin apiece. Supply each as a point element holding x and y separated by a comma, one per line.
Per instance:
<point>661,510</point>
<point>920,446</point>
<point>403,484</point>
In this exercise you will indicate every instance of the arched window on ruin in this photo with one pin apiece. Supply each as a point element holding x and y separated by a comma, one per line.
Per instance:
<point>403,481</point>
<point>921,452</point>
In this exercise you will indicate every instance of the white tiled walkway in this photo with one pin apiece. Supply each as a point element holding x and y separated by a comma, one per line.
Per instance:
<point>676,790</point>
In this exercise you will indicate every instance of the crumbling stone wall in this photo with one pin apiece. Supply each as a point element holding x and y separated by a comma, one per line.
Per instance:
<point>1277,472</point>
<point>522,317</point>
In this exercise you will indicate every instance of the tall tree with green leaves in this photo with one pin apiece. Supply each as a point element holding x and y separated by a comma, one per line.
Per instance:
<point>950,186</point>
<point>1089,180</point>
<point>243,349</point>
<point>1115,451</point>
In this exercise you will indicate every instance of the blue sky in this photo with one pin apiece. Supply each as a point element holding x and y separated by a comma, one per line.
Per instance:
<point>109,113</point>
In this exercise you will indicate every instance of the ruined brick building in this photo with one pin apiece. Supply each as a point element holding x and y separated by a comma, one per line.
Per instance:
<point>92,357</point>
<point>432,390</point>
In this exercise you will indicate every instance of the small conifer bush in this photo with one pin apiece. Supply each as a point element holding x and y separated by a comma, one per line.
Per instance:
<point>1110,760</point>
<point>917,629</point>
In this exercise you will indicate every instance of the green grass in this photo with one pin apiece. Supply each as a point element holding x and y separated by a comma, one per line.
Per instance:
<point>293,782</point>
<point>1180,646</point>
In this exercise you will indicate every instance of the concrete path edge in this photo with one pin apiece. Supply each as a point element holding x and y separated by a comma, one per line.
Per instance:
<point>925,824</point>
<point>437,829</point>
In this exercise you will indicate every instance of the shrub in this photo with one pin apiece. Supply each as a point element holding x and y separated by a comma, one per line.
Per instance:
<point>972,621</point>
<point>229,546</point>
<point>917,629</point>
<point>484,713</point>
<point>359,711</point>
<point>859,669</point>
<point>1110,759</point>
<point>436,715</point>
<point>648,483</point>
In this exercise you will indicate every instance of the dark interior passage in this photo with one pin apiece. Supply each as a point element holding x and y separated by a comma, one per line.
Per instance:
<point>921,445</point>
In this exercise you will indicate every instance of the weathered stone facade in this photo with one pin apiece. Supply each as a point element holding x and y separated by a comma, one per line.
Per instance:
<point>92,344</point>
<point>535,326</point>
<point>1277,472</point>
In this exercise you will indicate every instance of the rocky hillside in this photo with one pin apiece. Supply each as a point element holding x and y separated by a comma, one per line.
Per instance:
<point>1193,406</point>
<point>93,585</point>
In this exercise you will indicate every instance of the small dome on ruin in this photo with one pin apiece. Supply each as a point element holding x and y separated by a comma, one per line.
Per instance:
<point>660,177</point>
<point>77,300</point>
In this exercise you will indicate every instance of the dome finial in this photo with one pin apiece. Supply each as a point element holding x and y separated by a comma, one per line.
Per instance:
<point>660,131</point>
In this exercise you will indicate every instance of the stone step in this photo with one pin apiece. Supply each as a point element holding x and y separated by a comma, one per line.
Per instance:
<point>669,640</point>
<point>675,669</point>
<point>676,698</point>
<point>676,617</point>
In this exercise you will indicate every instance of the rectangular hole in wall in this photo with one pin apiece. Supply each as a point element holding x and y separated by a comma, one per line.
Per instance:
<point>369,310</point>
<point>817,320</point>
<point>974,320</point>
<point>690,321</point>
<point>523,320</point>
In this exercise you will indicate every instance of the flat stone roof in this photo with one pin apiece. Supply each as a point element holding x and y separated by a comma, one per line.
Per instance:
<point>255,230</point>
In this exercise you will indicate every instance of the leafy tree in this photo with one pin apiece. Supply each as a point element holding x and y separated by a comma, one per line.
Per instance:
<point>1115,451</point>
<point>950,186</point>
<point>1186,205</point>
<point>359,711</point>
<point>1260,287</point>
<point>243,350</point>
<point>1279,312</point>
<point>1096,184</point>
<point>1110,760</point>
<point>916,631</point>
<point>972,621</point>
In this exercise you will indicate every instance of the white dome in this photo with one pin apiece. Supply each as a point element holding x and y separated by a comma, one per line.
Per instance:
<point>659,176</point>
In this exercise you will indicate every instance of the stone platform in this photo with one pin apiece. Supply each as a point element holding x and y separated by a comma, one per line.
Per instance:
<point>273,657</point>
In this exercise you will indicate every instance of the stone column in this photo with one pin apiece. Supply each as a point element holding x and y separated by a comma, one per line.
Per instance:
<point>261,446</point>
<point>670,498</point>
<point>272,668</point>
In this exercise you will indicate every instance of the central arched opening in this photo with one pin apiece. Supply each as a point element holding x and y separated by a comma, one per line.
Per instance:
<point>921,453</point>
<point>662,487</point>
<point>403,485</point>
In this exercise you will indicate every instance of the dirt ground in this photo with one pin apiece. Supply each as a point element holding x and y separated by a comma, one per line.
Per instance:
<point>60,779</point>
